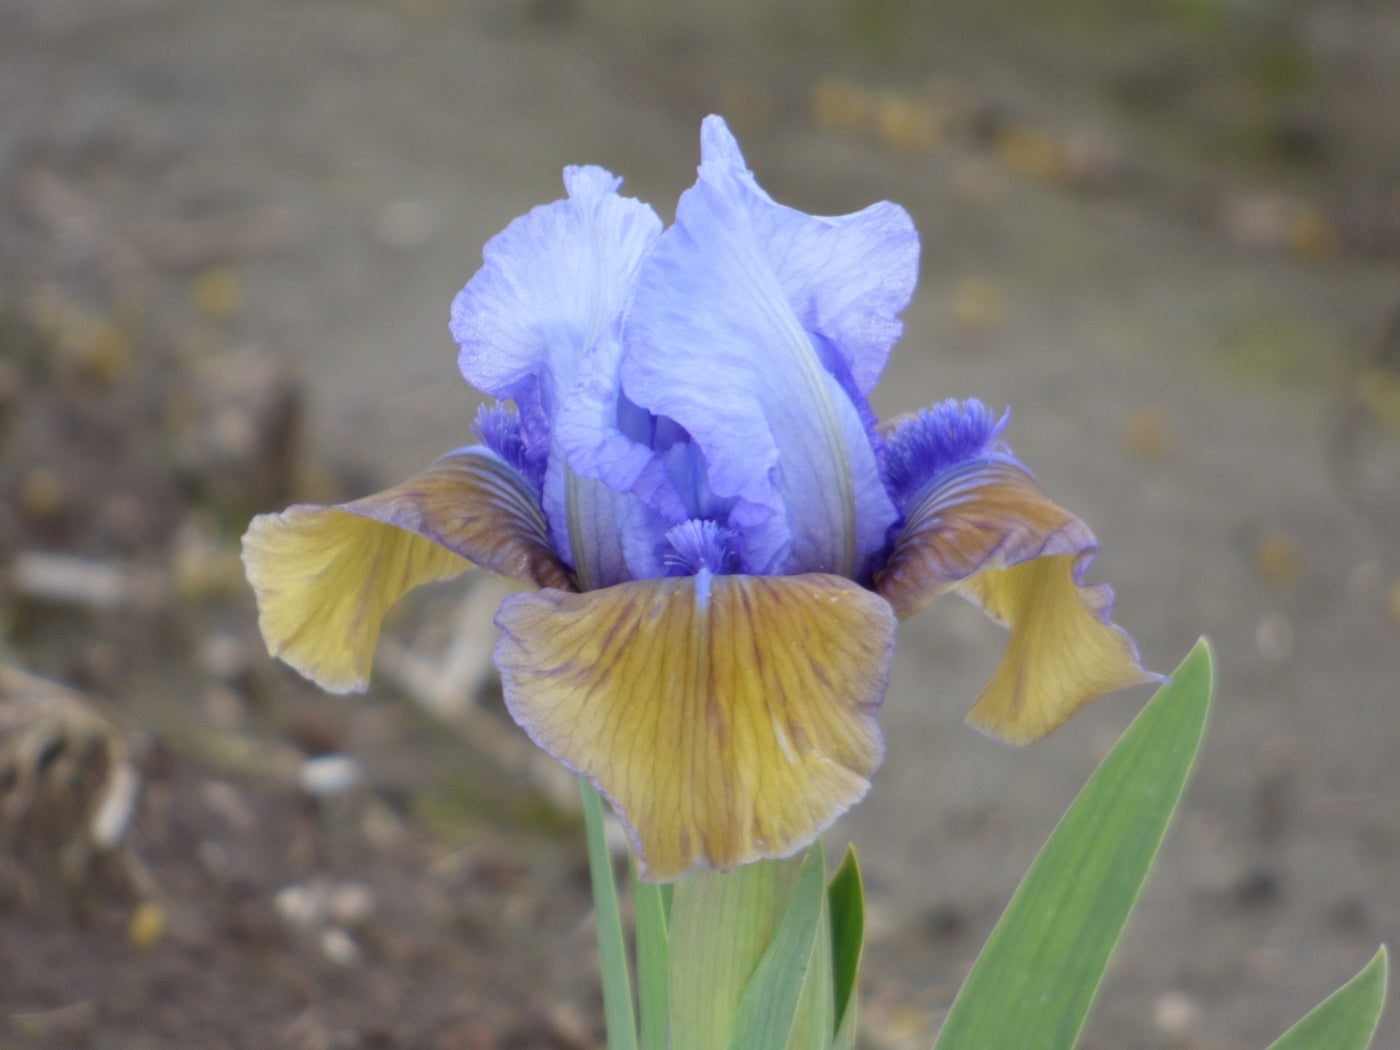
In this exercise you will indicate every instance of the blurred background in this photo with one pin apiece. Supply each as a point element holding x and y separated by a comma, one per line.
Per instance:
<point>1167,233</point>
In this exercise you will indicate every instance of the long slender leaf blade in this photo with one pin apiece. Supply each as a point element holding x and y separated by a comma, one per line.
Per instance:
<point>768,1012</point>
<point>846,898</point>
<point>653,962</point>
<point>1346,1019</point>
<point>612,947</point>
<point>1033,984</point>
<point>846,1029</point>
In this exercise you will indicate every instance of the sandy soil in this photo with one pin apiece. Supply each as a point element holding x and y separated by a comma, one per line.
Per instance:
<point>230,235</point>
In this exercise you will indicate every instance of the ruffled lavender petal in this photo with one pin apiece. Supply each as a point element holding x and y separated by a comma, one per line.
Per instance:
<point>551,284</point>
<point>716,342</point>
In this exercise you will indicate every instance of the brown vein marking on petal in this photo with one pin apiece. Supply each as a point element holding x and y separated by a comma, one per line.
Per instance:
<point>477,505</point>
<point>324,578</point>
<point>725,731</point>
<point>987,531</point>
<point>988,514</point>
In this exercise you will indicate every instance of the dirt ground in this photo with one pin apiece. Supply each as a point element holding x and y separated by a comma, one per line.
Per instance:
<point>1168,235</point>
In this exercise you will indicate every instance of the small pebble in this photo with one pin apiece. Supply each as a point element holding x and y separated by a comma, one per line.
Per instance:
<point>1175,1014</point>
<point>327,775</point>
<point>299,904</point>
<point>339,947</point>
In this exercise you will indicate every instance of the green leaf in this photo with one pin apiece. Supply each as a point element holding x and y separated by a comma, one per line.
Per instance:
<point>1346,1019</point>
<point>769,1011</point>
<point>612,948</point>
<point>845,896</point>
<point>1033,984</point>
<point>653,960</point>
<point>846,1030</point>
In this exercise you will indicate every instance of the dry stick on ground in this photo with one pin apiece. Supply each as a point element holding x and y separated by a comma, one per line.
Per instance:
<point>447,688</point>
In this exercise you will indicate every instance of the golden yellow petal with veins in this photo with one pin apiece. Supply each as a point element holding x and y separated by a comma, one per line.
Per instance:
<point>986,530</point>
<point>989,514</point>
<point>728,718</point>
<point>325,576</point>
<point>1063,651</point>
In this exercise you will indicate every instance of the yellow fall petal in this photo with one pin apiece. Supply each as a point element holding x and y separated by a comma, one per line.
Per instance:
<point>987,515</point>
<point>728,718</point>
<point>1063,651</point>
<point>325,576</point>
<point>987,531</point>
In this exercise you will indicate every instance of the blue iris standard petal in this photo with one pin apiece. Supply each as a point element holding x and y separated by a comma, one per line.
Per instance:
<point>845,278</point>
<point>607,437</point>
<point>551,283</point>
<point>548,296</point>
<point>941,437</point>
<point>717,340</point>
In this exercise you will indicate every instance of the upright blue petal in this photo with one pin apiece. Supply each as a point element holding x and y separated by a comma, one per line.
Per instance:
<point>610,441</point>
<point>551,283</point>
<point>847,279</point>
<point>736,307</point>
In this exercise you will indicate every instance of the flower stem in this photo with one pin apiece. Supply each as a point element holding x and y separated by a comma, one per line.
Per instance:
<point>612,947</point>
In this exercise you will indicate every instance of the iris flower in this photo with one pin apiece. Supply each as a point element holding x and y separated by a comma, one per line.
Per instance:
<point>714,536</point>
